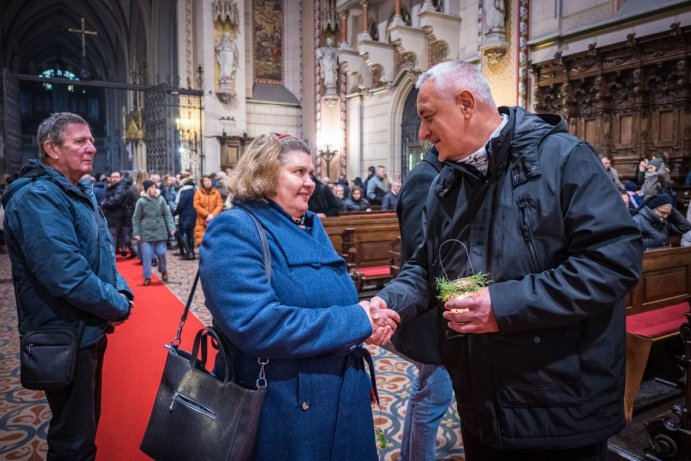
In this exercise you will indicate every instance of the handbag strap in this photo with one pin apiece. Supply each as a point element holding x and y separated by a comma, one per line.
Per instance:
<point>261,380</point>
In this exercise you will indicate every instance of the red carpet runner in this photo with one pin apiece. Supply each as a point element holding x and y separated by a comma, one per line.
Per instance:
<point>134,362</point>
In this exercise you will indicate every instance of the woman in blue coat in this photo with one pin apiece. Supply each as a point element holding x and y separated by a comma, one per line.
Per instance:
<point>307,320</point>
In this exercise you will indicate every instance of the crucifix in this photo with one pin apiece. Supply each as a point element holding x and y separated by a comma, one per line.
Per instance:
<point>84,33</point>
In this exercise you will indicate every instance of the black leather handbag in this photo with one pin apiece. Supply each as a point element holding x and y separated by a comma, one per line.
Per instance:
<point>48,358</point>
<point>196,415</point>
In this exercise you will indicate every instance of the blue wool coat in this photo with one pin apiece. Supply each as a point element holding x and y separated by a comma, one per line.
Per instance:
<point>307,321</point>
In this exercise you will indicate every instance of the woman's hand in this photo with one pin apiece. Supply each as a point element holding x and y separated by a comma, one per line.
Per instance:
<point>383,322</point>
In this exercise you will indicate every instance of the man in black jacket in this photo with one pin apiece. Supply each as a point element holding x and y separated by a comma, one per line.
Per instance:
<point>431,392</point>
<point>115,211</point>
<point>537,358</point>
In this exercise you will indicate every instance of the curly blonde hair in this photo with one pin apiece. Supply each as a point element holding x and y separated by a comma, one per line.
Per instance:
<point>255,177</point>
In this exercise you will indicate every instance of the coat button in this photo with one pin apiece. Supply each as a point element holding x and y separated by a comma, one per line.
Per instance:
<point>536,339</point>
<point>305,406</point>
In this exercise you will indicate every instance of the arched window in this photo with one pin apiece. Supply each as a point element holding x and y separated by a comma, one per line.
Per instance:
<point>412,150</point>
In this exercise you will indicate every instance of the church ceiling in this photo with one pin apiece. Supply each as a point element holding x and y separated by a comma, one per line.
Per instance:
<point>35,35</point>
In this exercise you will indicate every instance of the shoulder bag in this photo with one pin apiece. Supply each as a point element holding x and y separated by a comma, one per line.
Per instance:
<point>196,415</point>
<point>48,357</point>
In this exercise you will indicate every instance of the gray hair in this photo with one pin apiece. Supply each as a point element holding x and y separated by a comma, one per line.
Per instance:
<point>53,129</point>
<point>453,76</point>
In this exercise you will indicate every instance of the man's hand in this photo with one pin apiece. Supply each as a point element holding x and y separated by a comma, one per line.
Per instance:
<point>383,323</point>
<point>135,238</point>
<point>471,313</point>
<point>116,323</point>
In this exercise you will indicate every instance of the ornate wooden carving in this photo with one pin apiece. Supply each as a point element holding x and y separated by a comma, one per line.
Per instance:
<point>629,100</point>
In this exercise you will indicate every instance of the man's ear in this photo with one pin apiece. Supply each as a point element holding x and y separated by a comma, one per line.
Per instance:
<point>466,102</point>
<point>51,149</point>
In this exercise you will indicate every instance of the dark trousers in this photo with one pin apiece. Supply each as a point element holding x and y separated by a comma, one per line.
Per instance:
<point>475,450</point>
<point>77,408</point>
<point>188,234</point>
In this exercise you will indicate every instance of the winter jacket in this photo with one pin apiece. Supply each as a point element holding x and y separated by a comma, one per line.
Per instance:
<point>418,337</point>
<point>549,229</point>
<point>306,321</point>
<point>100,191</point>
<point>376,189</point>
<point>152,220</point>
<point>62,256</point>
<point>323,200</point>
<point>206,201</point>
<point>185,207</point>
<point>351,205</point>
<point>655,231</point>
<point>390,201</point>
<point>114,206</point>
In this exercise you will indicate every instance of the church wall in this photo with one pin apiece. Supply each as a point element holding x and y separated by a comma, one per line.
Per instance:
<point>377,149</point>
<point>468,46</point>
<point>274,118</point>
<point>292,49</point>
<point>502,77</point>
<point>592,19</point>
<point>354,166</point>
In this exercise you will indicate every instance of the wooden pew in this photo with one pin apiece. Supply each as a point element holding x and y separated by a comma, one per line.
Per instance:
<point>656,310</point>
<point>665,280</point>
<point>335,225</point>
<point>367,252</point>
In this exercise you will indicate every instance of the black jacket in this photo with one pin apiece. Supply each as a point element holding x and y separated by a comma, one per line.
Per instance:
<point>185,207</point>
<point>549,228</point>
<point>418,337</point>
<point>114,206</point>
<point>323,200</point>
<point>655,231</point>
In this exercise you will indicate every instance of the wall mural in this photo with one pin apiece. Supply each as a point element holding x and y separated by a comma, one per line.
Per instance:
<point>268,41</point>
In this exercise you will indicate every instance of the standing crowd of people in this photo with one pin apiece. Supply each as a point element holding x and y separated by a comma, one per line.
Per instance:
<point>535,359</point>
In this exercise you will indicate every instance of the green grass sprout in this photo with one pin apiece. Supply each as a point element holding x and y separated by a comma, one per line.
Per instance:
<point>449,289</point>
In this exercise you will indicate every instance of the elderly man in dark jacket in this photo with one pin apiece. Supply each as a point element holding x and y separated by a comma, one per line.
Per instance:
<point>63,267</point>
<point>537,358</point>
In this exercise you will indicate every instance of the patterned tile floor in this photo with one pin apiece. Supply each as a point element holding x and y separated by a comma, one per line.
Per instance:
<point>24,414</point>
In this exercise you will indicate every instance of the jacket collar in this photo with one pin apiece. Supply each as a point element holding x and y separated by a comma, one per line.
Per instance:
<point>299,246</point>
<point>521,140</point>
<point>516,144</point>
<point>34,170</point>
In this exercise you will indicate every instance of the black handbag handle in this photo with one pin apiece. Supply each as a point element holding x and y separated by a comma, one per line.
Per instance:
<point>200,342</point>
<point>175,342</point>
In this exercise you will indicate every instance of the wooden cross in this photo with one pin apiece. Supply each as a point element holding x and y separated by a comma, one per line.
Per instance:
<point>84,33</point>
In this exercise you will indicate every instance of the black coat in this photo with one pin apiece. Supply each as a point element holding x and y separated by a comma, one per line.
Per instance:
<point>655,231</point>
<point>419,337</point>
<point>549,229</point>
<point>185,208</point>
<point>115,204</point>
<point>323,200</point>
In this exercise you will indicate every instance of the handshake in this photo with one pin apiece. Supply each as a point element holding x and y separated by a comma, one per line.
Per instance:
<point>384,321</point>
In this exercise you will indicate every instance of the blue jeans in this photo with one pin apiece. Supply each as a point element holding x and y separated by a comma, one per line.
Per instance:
<point>158,248</point>
<point>430,396</point>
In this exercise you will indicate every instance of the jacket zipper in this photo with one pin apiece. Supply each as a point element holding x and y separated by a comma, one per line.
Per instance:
<point>192,405</point>
<point>528,237</point>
